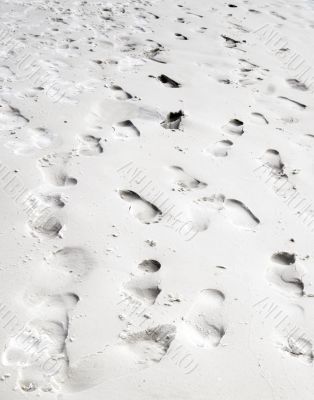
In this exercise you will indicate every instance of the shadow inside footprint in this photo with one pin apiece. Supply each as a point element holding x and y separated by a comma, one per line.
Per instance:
<point>259,118</point>
<point>296,84</point>
<point>168,81</point>
<point>284,258</point>
<point>173,120</point>
<point>180,36</point>
<point>293,102</point>
<point>119,93</point>
<point>150,266</point>
<point>230,42</point>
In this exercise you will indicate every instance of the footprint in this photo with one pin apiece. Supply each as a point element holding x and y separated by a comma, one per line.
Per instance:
<point>46,340</point>
<point>225,80</point>
<point>151,345</point>
<point>278,15</point>
<point>90,146</point>
<point>168,81</point>
<point>38,352</point>
<point>235,211</point>
<point>300,348</point>
<point>230,43</point>
<point>215,201</point>
<point>145,286</point>
<point>109,111</point>
<point>180,36</point>
<point>202,29</point>
<point>286,275</point>
<point>273,159</point>
<point>250,74</point>
<point>220,149</point>
<point>53,166</point>
<point>234,127</point>
<point>54,200</point>
<point>154,55</point>
<point>119,93</point>
<point>173,120</point>
<point>290,337</point>
<point>46,224</point>
<point>293,102</point>
<point>125,130</point>
<point>11,118</point>
<point>296,84</point>
<point>259,118</point>
<point>200,220</point>
<point>204,325</point>
<point>73,261</point>
<point>149,266</point>
<point>146,289</point>
<point>35,139</point>
<point>133,352</point>
<point>142,209</point>
<point>185,182</point>
<point>284,258</point>
<point>240,215</point>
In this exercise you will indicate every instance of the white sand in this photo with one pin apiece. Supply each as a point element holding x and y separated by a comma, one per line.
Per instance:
<point>156,197</point>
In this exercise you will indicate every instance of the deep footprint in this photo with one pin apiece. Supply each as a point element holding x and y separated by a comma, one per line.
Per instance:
<point>173,120</point>
<point>168,81</point>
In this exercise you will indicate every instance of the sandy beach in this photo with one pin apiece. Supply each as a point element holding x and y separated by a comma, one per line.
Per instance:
<point>157,217</point>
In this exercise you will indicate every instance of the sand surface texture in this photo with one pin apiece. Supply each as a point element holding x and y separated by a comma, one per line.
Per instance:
<point>157,224</point>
